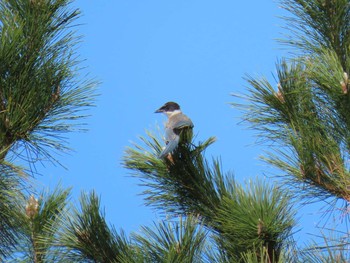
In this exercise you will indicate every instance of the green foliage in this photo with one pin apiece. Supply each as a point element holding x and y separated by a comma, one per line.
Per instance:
<point>177,241</point>
<point>40,94</point>
<point>263,257</point>
<point>319,24</point>
<point>41,98</point>
<point>39,217</point>
<point>180,183</point>
<point>86,235</point>
<point>334,248</point>
<point>10,201</point>
<point>259,216</point>
<point>242,220</point>
<point>298,119</point>
<point>306,118</point>
<point>308,113</point>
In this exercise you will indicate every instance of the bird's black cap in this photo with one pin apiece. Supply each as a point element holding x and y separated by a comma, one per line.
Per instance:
<point>168,107</point>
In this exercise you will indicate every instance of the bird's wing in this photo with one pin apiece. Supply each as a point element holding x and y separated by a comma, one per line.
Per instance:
<point>171,145</point>
<point>170,134</point>
<point>172,131</point>
<point>181,121</point>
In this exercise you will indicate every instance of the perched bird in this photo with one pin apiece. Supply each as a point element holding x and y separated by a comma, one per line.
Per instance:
<point>176,122</point>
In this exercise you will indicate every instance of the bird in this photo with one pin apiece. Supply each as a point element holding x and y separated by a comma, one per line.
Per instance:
<point>176,122</point>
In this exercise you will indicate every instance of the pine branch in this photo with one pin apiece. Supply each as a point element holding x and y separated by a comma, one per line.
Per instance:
<point>319,24</point>
<point>306,119</point>
<point>255,219</point>
<point>178,241</point>
<point>87,237</point>
<point>41,95</point>
<point>182,183</point>
<point>185,183</point>
<point>10,201</point>
<point>40,220</point>
<point>334,248</point>
<point>263,257</point>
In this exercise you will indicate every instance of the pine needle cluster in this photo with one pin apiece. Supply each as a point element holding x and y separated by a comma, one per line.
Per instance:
<point>40,92</point>
<point>306,115</point>
<point>41,98</point>
<point>240,219</point>
<point>207,216</point>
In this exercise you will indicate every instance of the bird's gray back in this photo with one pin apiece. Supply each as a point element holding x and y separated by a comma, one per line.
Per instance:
<point>176,123</point>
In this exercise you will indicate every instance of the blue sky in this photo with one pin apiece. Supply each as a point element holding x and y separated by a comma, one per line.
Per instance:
<point>146,53</point>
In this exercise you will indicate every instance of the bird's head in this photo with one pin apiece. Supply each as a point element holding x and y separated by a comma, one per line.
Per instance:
<point>169,108</point>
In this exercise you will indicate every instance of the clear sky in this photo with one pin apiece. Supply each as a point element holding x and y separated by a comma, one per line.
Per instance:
<point>146,53</point>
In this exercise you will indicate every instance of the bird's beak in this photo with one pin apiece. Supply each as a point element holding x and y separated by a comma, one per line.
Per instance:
<point>159,110</point>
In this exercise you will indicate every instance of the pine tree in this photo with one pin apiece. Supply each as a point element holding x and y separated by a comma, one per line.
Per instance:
<point>40,92</point>
<point>41,98</point>
<point>305,118</point>
<point>207,216</point>
<point>251,222</point>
